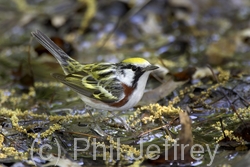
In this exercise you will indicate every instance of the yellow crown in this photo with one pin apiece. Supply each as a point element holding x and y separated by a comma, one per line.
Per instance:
<point>135,60</point>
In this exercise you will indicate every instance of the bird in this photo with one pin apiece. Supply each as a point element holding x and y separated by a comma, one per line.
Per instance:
<point>104,85</point>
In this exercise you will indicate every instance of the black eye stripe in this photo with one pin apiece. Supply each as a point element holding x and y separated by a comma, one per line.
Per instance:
<point>126,66</point>
<point>132,67</point>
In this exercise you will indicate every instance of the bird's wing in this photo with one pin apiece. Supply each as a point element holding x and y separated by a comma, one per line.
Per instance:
<point>87,85</point>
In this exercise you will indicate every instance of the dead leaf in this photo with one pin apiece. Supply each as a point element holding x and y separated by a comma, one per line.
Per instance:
<point>185,74</point>
<point>185,138</point>
<point>168,86</point>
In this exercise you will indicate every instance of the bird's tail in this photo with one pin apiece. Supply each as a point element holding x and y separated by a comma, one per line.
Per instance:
<point>67,63</point>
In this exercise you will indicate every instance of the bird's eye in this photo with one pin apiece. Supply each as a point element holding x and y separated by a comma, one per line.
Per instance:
<point>134,68</point>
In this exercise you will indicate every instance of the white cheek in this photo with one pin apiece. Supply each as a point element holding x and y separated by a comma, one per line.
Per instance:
<point>127,78</point>
<point>138,92</point>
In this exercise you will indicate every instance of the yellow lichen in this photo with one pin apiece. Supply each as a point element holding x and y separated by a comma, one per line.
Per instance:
<point>48,84</point>
<point>223,75</point>
<point>124,149</point>
<point>4,94</point>
<point>15,114</point>
<point>206,94</point>
<point>157,111</point>
<point>1,146</point>
<point>11,151</point>
<point>231,136</point>
<point>134,120</point>
<point>170,139</point>
<point>14,98</point>
<point>175,100</point>
<point>14,120</point>
<point>1,140</point>
<point>51,130</point>
<point>3,155</point>
<point>243,112</point>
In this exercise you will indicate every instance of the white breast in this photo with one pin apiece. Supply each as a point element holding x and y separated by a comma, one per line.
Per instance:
<point>138,92</point>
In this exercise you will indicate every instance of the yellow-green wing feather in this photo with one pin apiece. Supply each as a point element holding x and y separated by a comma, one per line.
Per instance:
<point>84,84</point>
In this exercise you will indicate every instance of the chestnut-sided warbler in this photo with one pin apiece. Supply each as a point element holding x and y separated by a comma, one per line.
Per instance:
<point>104,86</point>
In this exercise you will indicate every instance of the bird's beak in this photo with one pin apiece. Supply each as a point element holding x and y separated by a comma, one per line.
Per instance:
<point>150,68</point>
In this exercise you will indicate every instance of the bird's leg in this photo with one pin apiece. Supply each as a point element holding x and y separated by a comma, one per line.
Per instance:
<point>88,109</point>
<point>127,127</point>
<point>94,126</point>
